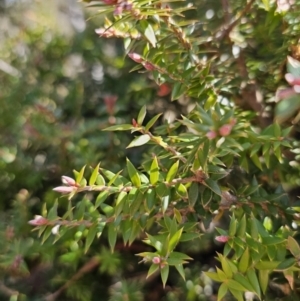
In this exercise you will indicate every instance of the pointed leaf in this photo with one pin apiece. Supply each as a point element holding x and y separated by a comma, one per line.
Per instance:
<point>180,270</point>
<point>133,174</point>
<point>213,186</point>
<point>154,171</point>
<point>293,246</point>
<point>112,236</point>
<point>94,175</point>
<point>223,289</point>
<point>90,237</point>
<point>148,32</point>
<point>164,272</point>
<point>172,172</point>
<point>102,196</point>
<point>153,268</point>
<point>152,121</point>
<point>79,176</point>
<point>120,127</point>
<point>141,115</point>
<point>244,261</point>
<point>263,276</point>
<point>138,141</point>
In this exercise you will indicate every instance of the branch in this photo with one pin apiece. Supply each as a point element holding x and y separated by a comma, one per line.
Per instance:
<point>88,267</point>
<point>226,31</point>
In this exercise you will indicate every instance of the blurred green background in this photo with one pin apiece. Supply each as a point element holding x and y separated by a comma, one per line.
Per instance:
<point>60,86</point>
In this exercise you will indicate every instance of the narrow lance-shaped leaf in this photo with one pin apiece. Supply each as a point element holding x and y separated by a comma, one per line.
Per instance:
<point>139,140</point>
<point>94,175</point>
<point>152,121</point>
<point>141,115</point>
<point>119,127</point>
<point>133,174</point>
<point>172,172</point>
<point>112,236</point>
<point>90,237</point>
<point>154,172</point>
<point>223,289</point>
<point>164,272</point>
<point>79,175</point>
<point>148,32</point>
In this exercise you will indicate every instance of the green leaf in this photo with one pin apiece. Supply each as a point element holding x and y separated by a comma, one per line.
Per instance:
<point>152,121</point>
<point>139,140</point>
<point>141,115</point>
<point>252,277</point>
<point>79,176</point>
<point>120,127</point>
<point>232,284</point>
<point>272,240</point>
<point>154,171</point>
<point>244,261</point>
<point>153,268</point>
<point>256,161</point>
<point>241,231</point>
<point>193,194</point>
<point>213,186</point>
<point>180,270</point>
<point>226,266</point>
<point>241,279</point>
<point>174,240</point>
<point>182,191</point>
<point>286,264</point>
<point>223,289</point>
<point>133,174</point>
<point>112,236</point>
<point>148,32</point>
<point>94,175</point>
<point>267,265</point>
<point>293,246</point>
<point>172,172</point>
<point>177,91</point>
<point>102,196</point>
<point>164,272</point>
<point>113,178</point>
<point>232,226</point>
<point>100,180</point>
<point>238,295</point>
<point>214,276</point>
<point>90,237</point>
<point>263,277</point>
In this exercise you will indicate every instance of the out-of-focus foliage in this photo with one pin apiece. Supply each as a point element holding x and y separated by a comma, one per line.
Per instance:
<point>210,163</point>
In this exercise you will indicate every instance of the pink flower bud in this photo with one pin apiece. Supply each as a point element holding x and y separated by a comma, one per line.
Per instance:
<point>38,221</point>
<point>136,57</point>
<point>68,181</point>
<point>225,130</point>
<point>222,238</point>
<point>134,123</point>
<point>149,66</point>
<point>64,189</point>
<point>156,260</point>
<point>118,11</point>
<point>211,135</point>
